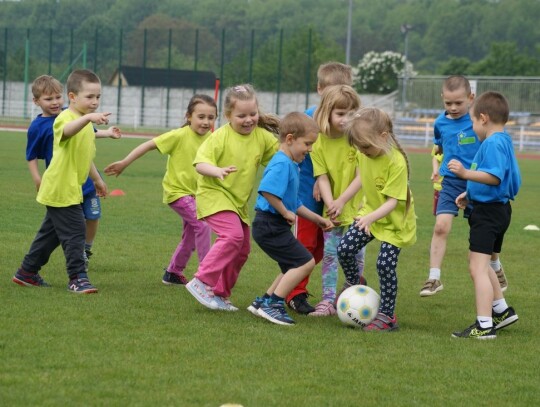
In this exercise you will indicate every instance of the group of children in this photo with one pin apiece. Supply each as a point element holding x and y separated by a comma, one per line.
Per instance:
<point>341,178</point>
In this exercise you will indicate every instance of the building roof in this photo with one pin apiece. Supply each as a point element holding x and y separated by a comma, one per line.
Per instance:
<point>163,77</point>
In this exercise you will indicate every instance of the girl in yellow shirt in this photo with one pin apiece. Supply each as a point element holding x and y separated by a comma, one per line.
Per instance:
<point>387,213</point>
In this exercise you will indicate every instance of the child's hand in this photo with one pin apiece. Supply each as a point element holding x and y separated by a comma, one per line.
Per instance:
<point>99,118</point>
<point>363,223</point>
<point>462,201</point>
<point>223,172</point>
<point>290,217</point>
<point>335,209</point>
<point>325,224</point>
<point>114,132</point>
<point>435,177</point>
<point>115,168</point>
<point>101,188</point>
<point>456,167</point>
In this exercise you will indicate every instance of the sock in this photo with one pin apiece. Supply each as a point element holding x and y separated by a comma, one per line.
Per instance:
<point>265,296</point>
<point>275,298</point>
<point>434,273</point>
<point>88,246</point>
<point>500,305</point>
<point>485,322</point>
<point>495,264</point>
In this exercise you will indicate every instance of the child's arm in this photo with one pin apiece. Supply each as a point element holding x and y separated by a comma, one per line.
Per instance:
<point>325,189</point>
<point>462,201</point>
<point>364,222</point>
<point>277,204</point>
<point>209,170</point>
<point>306,213</point>
<point>34,171</point>
<point>75,126</point>
<point>112,132</point>
<point>101,187</point>
<point>117,167</point>
<point>482,177</point>
<point>346,196</point>
<point>435,164</point>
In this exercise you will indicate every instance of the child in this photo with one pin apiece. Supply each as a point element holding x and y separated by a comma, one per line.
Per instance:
<point>387,212</point>
<point>61,187</point>
<point>307,232</point>
<point>455,137</point>
<point>229,160</point>
<point>436,159</point>
<point>47,94</point>
<point>335,164</point>
<point>180,181</point>
<point>276,209</point>
<point>493,180</point>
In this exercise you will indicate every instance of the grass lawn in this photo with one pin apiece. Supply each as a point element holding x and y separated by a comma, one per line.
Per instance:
<point>141,343</point>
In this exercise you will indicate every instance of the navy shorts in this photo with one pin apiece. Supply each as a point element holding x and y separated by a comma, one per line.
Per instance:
<point>91,206</point>
<point>488,223</point>
<point>451,188</point>
<point>274,236</point>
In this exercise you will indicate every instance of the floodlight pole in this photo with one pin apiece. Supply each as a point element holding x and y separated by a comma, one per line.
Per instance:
<point>349,29</point>
<point>405,28</point>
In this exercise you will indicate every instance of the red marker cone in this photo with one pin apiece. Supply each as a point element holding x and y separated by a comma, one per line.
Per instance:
<point>117,192</point>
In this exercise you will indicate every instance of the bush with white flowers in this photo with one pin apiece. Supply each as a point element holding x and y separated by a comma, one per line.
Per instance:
<point>378,72</point>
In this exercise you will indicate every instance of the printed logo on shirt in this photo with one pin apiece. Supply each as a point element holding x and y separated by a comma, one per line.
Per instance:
<point>463,139</point>
<point>379,183</point>
<point>351,156</point>
<point>474,166</point>
<point>257,160</point>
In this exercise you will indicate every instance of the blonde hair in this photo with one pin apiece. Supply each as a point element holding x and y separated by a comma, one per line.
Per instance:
<point>366,127</point>
<point>334,73</point>
<point>335,97</point>
<point>298,125</point>
<point>246,92</point>
<point>46,85</point>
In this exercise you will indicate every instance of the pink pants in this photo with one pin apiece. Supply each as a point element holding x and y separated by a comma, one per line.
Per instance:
<point>221,266</point>
<point>196,235</point>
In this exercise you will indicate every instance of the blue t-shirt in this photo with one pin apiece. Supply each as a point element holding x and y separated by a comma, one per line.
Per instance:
<point>496,157</point>
<point>280,178</point>
<point>39,145</point>
<point>307,180</point>
<point>458,141</point>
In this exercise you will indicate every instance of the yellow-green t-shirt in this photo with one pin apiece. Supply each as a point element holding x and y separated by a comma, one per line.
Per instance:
<point>224,148</point>
<point>180,178</point>
<point>61,184</point>
<point>336,158</point>
<point>382,177</point>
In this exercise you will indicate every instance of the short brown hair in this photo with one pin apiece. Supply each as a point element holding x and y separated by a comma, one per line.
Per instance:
<point>455,82</point>
<point>492,104</point>
<point>298,125</point>
<point>46,85</point>
<point>334,73</point>
<point>76,78</point>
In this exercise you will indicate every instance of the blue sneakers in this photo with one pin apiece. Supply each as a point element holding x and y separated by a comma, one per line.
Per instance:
<point>202,293</point>
<point>81,286</point>
<point>255,305</point>
<point>28,279</point>
<point>275,312</point>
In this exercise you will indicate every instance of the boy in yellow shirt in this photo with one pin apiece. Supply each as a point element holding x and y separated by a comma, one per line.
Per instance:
<point>61,186</point>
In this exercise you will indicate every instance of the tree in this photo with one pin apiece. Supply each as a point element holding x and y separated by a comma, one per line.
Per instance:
<point>504,59</point>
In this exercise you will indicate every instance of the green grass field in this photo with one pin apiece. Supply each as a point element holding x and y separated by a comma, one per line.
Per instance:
<point>141,343</point>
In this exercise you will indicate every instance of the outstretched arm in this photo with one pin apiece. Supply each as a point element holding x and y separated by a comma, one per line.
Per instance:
<point>210,170</point>
<point>75,126</point>
<point>117,167</point>
<point>112,132</point>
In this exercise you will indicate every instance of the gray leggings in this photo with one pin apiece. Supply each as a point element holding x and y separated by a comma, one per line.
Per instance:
<point>352,242</point>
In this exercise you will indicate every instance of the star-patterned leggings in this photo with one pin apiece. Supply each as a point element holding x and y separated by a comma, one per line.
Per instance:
<point>352,242</point>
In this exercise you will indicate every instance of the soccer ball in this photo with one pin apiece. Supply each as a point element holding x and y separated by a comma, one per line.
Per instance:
<point>358,305</point>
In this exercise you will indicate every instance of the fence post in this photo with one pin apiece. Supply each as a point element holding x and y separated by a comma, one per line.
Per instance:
<point>26,59</point>
<point>251,56</point>
<point>169,58</point>
<point>427,135</point>
<point>119,87</point>
<point>308,69</point>
<point>96,37</point>
<point>196,58</point>
<point>278,87</point>
<point>4,79</point>
<point>521,137</point>
<point>50,49</point>
<point>143,85</point>
<point>221,69</point>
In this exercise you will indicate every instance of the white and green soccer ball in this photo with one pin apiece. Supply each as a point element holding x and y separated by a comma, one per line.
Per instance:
<point>358,305</point>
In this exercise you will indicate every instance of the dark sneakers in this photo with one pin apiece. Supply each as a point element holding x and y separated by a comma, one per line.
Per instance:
<point>173,279</point>
<point>299,304</point>
<point>27,279</point>
<point>476,332</point>
<point>505,318</point>
<point>81,286</point>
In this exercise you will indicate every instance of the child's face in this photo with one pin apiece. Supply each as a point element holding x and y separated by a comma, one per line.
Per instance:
<point>457,102</point>
<point>244,116</point>
<point>50,104</point>
<point>202,119</point>
<point>338,121</point>
<point>87,100</point>
<point>300,147</point>
<point>370,150</point>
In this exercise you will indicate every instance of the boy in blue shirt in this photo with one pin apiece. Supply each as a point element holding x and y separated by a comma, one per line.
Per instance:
<point>493,180</point>
<point>276,209</point>
<point>47,94</point>
<point>455,138</point>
